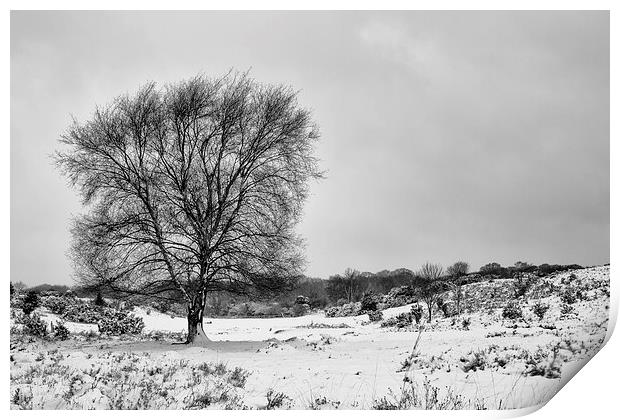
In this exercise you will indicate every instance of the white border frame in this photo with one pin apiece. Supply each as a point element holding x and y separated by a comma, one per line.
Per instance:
<point>592,394</point>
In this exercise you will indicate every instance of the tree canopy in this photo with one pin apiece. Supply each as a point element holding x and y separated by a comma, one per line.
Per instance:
<point>191,188</point>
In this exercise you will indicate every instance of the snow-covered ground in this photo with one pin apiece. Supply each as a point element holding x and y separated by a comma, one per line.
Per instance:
<point>349,362</point>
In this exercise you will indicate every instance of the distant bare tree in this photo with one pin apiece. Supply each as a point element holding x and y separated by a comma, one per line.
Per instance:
<point>431,285</point>
<point>193,188</point>
<point>456,272</point>
<point>350,278</point>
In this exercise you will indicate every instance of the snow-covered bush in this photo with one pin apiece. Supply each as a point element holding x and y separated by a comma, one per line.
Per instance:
<point>523,283</point>
<point>399,296</point>
<point>60,331</point>
<point>277,400</point>
<point>332,312</point>
<point>33,325</point>
<point>540,309</point>
<point>402,320</point>
<point>478,361</point>
<point>543,363</point>
<point>512,310</point>
<point>31,302</point>
<point>264,309</point>
<point>369,302</point>
<point>110,321</point>
<point>375,316</point>
<point>58,304</point>
<point>17,300</point>
<point>348,309</point>
<point>82,313</point>
<point>448,307</point>
<point>116,323</point>
<point>571,295</point>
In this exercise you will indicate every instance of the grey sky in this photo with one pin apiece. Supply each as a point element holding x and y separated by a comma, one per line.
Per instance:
<point>481,136</point>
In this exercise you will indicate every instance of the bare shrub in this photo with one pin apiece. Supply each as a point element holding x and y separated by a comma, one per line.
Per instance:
<point>277,400</point>
<point>478,361</point>
<point>431,286</point>
<point>425,397</point>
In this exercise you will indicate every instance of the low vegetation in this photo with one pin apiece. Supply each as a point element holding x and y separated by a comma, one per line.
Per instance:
<point>528,340</point>
<point>124,381</point>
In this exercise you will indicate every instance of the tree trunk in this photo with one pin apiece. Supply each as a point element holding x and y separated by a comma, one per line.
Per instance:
<point>195,333</point>
<point>430,310</point>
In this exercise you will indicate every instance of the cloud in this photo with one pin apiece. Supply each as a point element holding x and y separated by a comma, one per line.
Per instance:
<point>395,43</point>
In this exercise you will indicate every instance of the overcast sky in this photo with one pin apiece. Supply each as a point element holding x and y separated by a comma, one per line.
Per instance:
<point>479,136</point>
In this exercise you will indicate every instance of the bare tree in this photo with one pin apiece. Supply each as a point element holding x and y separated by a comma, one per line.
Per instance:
<point>431,285</point>
<point>350,278</point>
<point>193,188</point>
<point>456,272</point>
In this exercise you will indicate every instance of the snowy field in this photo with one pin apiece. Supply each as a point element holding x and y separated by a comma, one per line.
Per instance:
<point>476,360</point>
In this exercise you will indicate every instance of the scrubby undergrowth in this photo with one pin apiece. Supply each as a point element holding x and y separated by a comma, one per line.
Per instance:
<point>52,380</point>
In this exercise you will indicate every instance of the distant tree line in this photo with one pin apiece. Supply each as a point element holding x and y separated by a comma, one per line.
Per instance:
<point>495,269</point>
<point>429,282</point>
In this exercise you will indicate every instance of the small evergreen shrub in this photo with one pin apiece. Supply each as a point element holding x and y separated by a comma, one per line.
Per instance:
<point>540,309</point>
<point>99,301</point>
<point>31,302</point>
<point>34,325</point>
<point>512,311</point>
<point>369,302</point>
